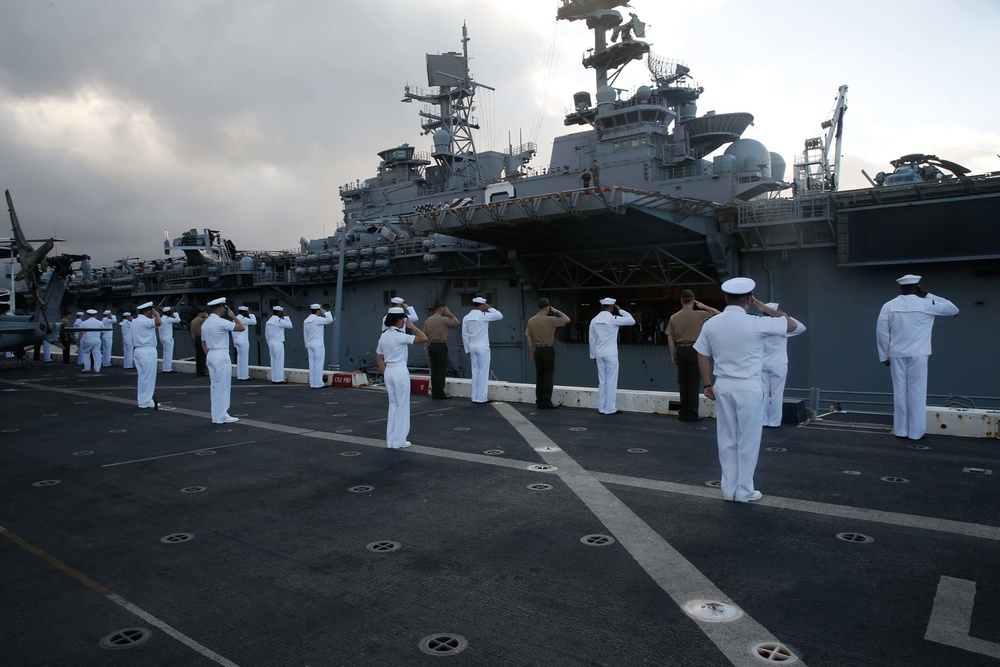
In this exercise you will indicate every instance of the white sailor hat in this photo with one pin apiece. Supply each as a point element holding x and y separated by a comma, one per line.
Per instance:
<point>314,306</point>
<point>142,307</point>
<point>167,309</point>
<point>278,309</point>
<point>396,311</point>
<point>399,299</point>
<point>91,311</point>
<point>608,301</point>
<point>79,312</point>
<point>908,279</point>
<point>738,286</point>
<point>772,306</point>
<point>244,308</point>
<point>221,301</point>
<point>479,299</point>
<point>107,312</point>
<point>126,314</point>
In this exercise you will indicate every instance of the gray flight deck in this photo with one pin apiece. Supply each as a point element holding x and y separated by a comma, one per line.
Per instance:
<point>281,559</point>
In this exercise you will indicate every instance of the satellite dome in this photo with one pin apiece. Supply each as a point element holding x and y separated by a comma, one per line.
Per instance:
<point>643,94</point>
<point>777,167</point>
<point>751,155</point>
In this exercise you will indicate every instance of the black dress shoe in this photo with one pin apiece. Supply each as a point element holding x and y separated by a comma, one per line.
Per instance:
<point>282,382</point>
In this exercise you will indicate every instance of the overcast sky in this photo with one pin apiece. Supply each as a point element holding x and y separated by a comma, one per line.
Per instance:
<point>121,118</point>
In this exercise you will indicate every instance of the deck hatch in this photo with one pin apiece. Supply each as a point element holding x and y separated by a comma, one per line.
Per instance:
<point>773,652</point>
<point>127,638</point>
<point>443,644</point>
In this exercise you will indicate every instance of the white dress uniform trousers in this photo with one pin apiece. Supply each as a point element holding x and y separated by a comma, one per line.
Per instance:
<point>90,345</point>
<point>276,349</point>
<point>220,373</point>
<point>607,385</point>
<point>107,339</point>
<point>397,384</point>
<point>145,365</point>
<point>241,341</point>
<point>739,439</point>
<point>480,359</point>
<point>909,396</point>
<point>127,345</point>
<point>774,373</point>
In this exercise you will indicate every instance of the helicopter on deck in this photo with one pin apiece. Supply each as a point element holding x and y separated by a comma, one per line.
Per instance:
<point>917,168</point>
<point>45,280</point>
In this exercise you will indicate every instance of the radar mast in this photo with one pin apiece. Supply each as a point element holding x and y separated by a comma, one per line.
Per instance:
<point>451,122</point>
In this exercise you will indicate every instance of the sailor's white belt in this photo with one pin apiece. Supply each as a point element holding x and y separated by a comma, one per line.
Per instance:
<point>395,363</point>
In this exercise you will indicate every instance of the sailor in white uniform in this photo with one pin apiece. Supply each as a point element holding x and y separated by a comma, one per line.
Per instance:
<point>312,332</point>
<point>735,341</point>
<point>604,351</point>
<point>476,340</point>
<point>126,325</point>
<point>215,342</point>
<point>90,342</point>
<point>144,352</point>
<point>166,329</point>
<point>903,335</point>
<point>274,331</point>
<point>241,341</point>
<point>391,355</point>
<point>107,337</point>
<point>774,371</point>
<point>400,302</point>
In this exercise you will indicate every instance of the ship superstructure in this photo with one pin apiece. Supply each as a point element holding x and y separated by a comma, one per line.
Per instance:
<point>663,210</point>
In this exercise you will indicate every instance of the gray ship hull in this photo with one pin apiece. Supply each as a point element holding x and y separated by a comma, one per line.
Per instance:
<point>838,304</point>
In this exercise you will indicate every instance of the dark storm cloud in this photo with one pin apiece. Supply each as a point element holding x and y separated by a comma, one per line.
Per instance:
<point>240,116</point>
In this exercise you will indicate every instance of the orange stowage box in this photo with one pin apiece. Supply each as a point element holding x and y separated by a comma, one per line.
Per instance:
<point>420,385</point>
